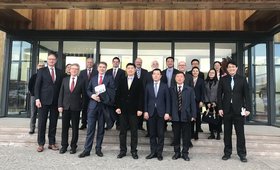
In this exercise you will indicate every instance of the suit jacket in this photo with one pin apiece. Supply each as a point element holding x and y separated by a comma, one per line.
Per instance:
<point>31,84</point>
<point>161,102</point>
<point>108,97</point>
<point>45,89</point>
<point>239,95</point>
<point>132,100</point>
<point>149,77</point>
<point>164,77</point>
<point>84,77</point>
<point>71,101</point>
<point>200,75</point>
<point>199,90</point>
<point>143,76</point>
<point>120,75</point>
<point>188,79</point>
<point>211,93</point>
<point>188,104</point>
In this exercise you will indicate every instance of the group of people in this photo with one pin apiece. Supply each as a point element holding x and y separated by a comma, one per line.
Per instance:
<point>130,96</point>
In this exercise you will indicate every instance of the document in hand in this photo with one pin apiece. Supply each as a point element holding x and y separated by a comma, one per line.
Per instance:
<point>243,111</point>
<point>100,89</point>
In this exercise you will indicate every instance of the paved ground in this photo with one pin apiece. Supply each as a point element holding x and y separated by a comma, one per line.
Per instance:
<point>25,157</point>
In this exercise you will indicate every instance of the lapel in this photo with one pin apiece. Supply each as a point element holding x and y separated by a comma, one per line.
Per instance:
<point>133,83</point>
<point>67,84</point>
<point>49,76</point>
<point>95,80</point>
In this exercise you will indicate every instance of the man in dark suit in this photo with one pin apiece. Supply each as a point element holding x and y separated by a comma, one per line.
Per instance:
<point>86,75</point>
<point>47,88</point>
<point>195,63</point>
<point>33,108</point>
<point>142,75</point>
<point>96,108</point>
<point>129,102</point>
<point>234,105</point>
<point>183,111</point>
<point>70,103</point>
<point>118,74</point>
<point>156,110</point>
<point>168,75</point>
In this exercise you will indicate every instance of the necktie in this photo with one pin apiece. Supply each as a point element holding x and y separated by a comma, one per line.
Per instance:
<point>180,98</point>
<point>114,73</point>
<point>156,89</point>
<point>232,83</point>
<point>52,74</point>
<point>89,73</point>
<point>138,73</point>
<point>100,80</point>
<point>72,85</point>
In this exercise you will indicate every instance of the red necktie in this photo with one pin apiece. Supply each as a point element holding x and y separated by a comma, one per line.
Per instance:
<point>100,80</point>
<point>52,74</point>
<point>72,85</point>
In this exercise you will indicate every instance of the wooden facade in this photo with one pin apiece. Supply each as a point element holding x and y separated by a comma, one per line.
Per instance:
<point>144,20</point>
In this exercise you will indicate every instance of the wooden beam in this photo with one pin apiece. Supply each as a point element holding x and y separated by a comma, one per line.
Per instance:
<point>262,21</point>
<point>141,4</point>
<point>12,20</point>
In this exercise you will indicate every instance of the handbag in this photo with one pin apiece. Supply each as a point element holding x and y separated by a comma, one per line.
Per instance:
<point>210,117</point>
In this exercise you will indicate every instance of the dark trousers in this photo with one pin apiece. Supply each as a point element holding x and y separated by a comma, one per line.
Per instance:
<point>95,115</point>
<point>140,121</point>
<point>156,129</point>
<point>182,129</point>
<point>238,121</point>
<point>74,117</point>
<point>131,120</point>
<point>33,113</point>
<point>85,111</point>
<point>42,121</point>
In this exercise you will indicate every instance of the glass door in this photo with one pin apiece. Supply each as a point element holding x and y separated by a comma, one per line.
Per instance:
<point>19,77</point>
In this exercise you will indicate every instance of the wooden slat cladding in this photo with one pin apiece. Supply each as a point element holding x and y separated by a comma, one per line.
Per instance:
<point>163,20</point>
<point>142,4</point>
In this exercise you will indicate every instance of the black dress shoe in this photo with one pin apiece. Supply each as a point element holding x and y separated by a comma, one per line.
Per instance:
<point>83,127</point>
<point>159,157</point>
<point>186,157</point>
<point>218,137</point>
<point>243,159</point>
<point>225,157</point>
<point>148,135</point>
<point>73,150</point>
<point>134,155</point>
<point>84,154</point>
<point>172,144</point>
<point>62,150</point>
<point>121,155</point>
<point>211,137</point>
<point>176,156</point>
<point>99,153</point>
<point>190,144</point>
<point>151,156</point>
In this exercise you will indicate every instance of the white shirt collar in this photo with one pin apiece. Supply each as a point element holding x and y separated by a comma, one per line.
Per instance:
<point>182,85</point>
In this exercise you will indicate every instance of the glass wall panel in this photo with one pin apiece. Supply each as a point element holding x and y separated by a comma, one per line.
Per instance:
<point>259,85</point>
<point>19,77</point>
<point>78,52</point>
<point>188,51</point>
<point>277,77</point>
<point>150,51</point>
<point>123,50</point>
<point>44,48</point>
<point>224,50</point>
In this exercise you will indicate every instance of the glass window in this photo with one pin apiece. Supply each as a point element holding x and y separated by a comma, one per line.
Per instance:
<point>44,48</point>
<point>188,51</point>
<point>224,50</point>
<point>19,77</point>
<point>78,52</point>
<point>151,51</point>
<point>123,50</point>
